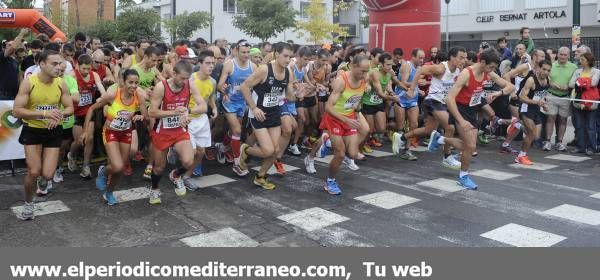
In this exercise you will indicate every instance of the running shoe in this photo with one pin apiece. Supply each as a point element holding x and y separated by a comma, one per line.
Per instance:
<point>561,147</point>
<point>375,143</point>
<point>332,187</point>
<point>58,177</point>
<point>243,156</point>
<point>171,156</point>
<point>547,146</point>
<point>360,157</point>
<point>101,179</point>
<point>27,213</point>
<point>294,150</point>
<point>494,124</point>
<point>239,171</point>
<point>508,150</point>
<point>178,181</point>
<point>408,155</point>
<point>128,170</point>
<point>86,173</point>
<point>264,183</point>
<point>467,183</point>
<point>197,171</point>
<point>366,149</point>
<point>524,160</point>
<point>350,164</point>
<point>190,184</point>
<point>451,163</point>
<point>325,147</point>
<point>483,138</point>
<point>220,150</point>
<point>210,153</point>
<point>154,197</point>
<point>397,143</point>
<point>148,172</point>
<point>414,143</point>
<point>310,165</point>
<point>71,163</point>
<point>109,198</point>
<point>229,157</point>
<point>279,167</point>
<point>512,128</point>
<point>433,141</point>
<point>42,186</point>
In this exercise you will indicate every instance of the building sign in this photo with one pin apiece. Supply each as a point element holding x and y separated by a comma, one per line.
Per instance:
<point>7,17</point>
<point>545,15</point>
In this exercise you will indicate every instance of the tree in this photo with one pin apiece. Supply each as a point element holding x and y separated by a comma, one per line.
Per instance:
<point>182,26</point>
<point>318,28</point>
<point>138,23</point>
<point>104,30</point>
<point>263,19</point>
<point>124,4</point>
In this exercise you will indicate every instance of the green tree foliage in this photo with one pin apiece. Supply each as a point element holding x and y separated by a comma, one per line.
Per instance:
<point>318,28</point>
<point>263,19</point>
<point>105,30</point>
<point>138,23</point>
<point>182,26</point>
<point>123,4</point>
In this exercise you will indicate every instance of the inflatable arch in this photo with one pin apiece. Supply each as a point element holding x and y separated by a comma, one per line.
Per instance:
<point>405,24</point>
<point>32,19</point>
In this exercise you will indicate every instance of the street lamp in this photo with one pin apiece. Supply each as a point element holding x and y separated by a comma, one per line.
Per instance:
<point>447,24</point>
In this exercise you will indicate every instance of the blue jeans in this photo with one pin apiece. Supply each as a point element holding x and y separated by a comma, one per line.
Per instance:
<point>586,129</point>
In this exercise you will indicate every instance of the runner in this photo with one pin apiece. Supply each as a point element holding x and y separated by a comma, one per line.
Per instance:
<point>409,101</point>
<point>37,104</point>
<point>271,83</point>
<point>140,52</point>
<point>443,78</point>
<point>464,102</point>
<point>306,101</point>
<point>67,125</point>
<point>319,75</point>
<point>533,97</point>
<point>199,127</point>
<point>169,105</point>
<point>122,102</point>
<point>235,72</point>
<point>90,87</point>
<point>342,120</point>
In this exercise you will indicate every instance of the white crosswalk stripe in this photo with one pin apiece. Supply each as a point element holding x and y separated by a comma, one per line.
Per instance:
<point>522,236</point>
<point>132,194</point>
<point>536,166</point>
<point>326,159</point>
<point>575,213</point>
<point>387,199</point>
<point>493,174</point>
<point>313,218</point>
<point>442,184</point>
<point>571,158</point>
<point>212,180</point>
<point>377,154</point>
<point>597,195</point>
<point>44,208</point>
<point>273,170</point>
<point>227,237</point>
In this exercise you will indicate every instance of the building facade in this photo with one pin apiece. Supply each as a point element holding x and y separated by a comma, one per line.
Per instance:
<point>223,12</point>
<point>69,14</point>
<point>491,19</point>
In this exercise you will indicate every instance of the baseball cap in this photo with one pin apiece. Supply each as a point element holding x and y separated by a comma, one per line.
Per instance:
<point>255,52</point>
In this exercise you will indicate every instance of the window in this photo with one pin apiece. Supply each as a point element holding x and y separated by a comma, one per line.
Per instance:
<point>304,6</point>
<point>495,5</point>
<point>350,29</point>
<point>230,6</point>
<point>538,4</point>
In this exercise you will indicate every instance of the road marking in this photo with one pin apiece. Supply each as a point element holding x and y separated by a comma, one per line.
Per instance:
<point>387,200</point>
<point>377,154</point>
<point>571,158</point>
<point>327,159</point>
<point>273,170</point>
<point>442,184</point>
<point>132,194</point>
<point>227,237</point>
<point>595,196</point>
<point>575,213</point>
<point>212,180</point>
<point>522,236</point>
<point>313,218</point>
<point>535,166</point>
<point>419,149</point>
<point>493,174</point>
<point>44,208</point>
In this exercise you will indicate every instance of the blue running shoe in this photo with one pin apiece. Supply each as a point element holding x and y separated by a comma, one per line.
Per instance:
<point>332,187</point>
<point>433,141</point>
<point>110,198</point>
<point>467,183</point>
<point>198,170</point>
<point>102,179</point>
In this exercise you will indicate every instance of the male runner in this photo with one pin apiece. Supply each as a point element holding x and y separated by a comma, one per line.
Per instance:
<point>37,103</point>
<point>271,83</point>
<point>169,105</point>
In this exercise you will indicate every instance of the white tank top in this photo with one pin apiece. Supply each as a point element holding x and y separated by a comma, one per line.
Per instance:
<point>519,79</point>
<point>439,88</point>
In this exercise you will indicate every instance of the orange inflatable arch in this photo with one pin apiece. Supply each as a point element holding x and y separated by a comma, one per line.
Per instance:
<point>32,19</point>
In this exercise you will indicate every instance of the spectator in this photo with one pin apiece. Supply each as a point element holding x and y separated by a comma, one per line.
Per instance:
<point>585,86</point>
<point>9,77</point>
<point>579,51</point>
<point>557,99</point>
<point>526,39</point>
<point>503,49</point>
<point>551,54</point>
<point>433,51</point>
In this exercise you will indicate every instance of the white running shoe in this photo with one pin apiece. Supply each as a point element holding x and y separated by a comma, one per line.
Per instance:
<point>350,164</point>
<point>310,165</point>
<point>180,189</point>
<point>451,162</point>
<point>293,149</point>
<point>58,177</point>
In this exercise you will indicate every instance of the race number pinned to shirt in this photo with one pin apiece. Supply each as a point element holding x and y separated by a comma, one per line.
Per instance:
<point>476,97</point>
<point>122,121</point>
<point>171,122</point>
<point>376,99</point>
<point>45,107</point>
<point>272,99</point>
<point>352,102</point>
<point>85,98</point>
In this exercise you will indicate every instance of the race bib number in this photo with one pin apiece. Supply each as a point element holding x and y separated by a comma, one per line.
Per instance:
<point>122,121</point>
<point>352,102</point>
<point>85,99</point>
<point>271,99</point>
<point>43,107</point>
<point>376,99</point>
<point>476,97</point>
<point>539,95</point>
<point>322,93</point>
<point>171,122</point>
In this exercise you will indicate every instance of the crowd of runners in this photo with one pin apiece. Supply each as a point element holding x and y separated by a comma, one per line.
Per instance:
<point>189,102</point>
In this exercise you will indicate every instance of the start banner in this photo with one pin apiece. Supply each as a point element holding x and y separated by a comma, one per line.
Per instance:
<point>10,129</point>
